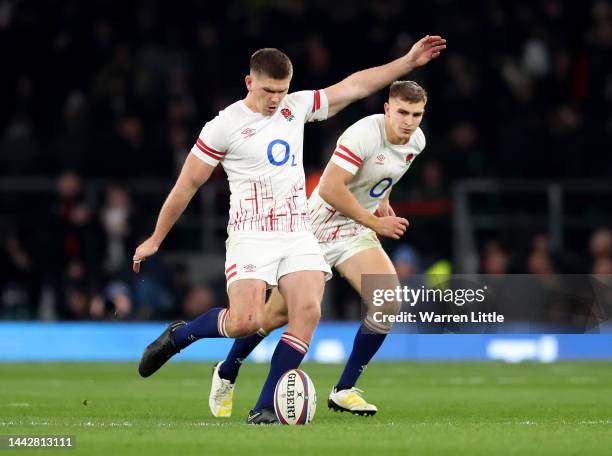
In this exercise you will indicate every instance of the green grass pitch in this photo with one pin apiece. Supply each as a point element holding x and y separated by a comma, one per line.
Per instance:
<point>424,409</point>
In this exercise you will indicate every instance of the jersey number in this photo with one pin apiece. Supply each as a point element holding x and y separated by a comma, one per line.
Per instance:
<point>380,187</point>
<point>285,157</point>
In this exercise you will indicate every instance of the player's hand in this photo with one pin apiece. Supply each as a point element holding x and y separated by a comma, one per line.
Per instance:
<point>391,226</point>
<point>144,251</point>
<point>426,49</point>
<point>384,209</point>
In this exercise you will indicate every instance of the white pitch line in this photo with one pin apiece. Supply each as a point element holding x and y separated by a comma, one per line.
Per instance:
<point>102,424</point>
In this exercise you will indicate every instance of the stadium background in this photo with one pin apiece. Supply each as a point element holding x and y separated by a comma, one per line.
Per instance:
<point>102,101</point>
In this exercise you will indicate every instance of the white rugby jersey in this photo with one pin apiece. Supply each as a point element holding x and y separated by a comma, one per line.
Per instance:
<point>363,150</point>
<point>262,157</point>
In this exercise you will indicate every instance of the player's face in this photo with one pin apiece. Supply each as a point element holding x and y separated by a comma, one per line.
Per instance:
<point>403,117</point>
<point>266,93</point>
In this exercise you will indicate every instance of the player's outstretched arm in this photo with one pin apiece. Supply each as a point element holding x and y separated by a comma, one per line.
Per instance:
<point>334,190</point>
<point>194,173</point>
<point>363,83</point>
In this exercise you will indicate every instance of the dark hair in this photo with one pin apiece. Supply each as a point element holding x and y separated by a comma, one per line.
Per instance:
<point>408,91</point>
<point>271,62</point>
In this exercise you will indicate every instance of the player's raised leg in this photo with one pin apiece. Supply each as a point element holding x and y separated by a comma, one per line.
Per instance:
<point>370,336</point>
<point>303,291</point>
<point>244,317</point>
<point>225,372</point>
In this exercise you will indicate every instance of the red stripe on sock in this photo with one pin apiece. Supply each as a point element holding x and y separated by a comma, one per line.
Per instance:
<point>223,321</point>
<point>219,318</point>
<point>294,344</point>
<point>296,339</point>
<point>374,328</point>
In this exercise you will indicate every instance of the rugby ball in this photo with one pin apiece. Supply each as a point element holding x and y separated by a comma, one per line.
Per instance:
<point>295,400</point>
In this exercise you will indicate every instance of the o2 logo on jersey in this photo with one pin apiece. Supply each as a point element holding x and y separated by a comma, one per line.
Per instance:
<point>282,159</point>
<point>380,187</point>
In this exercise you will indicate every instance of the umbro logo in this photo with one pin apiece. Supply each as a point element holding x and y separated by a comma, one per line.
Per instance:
<point>250,268</point>
<point>247,133</point>
<point>380,159</point>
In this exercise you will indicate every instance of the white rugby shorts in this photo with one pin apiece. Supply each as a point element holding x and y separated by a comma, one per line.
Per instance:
<point>270,255</point>
<point>337,252</point>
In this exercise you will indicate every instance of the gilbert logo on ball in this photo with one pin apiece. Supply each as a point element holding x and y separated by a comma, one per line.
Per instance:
<point>295,400</point>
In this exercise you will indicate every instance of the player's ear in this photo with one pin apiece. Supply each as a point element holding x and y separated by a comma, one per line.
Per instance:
<point>387,107</point>
<point>248,80</point>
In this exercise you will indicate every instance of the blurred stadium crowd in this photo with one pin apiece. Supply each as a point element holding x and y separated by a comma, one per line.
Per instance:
<point>113,91</point>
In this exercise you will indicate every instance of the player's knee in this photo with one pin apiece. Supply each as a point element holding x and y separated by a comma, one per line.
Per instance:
<point>310,312</point>
<point>244,325</point>
<point>242,329</point>
<point>275,321</point>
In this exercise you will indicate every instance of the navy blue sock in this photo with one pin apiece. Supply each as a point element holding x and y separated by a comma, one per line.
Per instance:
<point>288,355</point>
<point>241,349</point>
<point>365,346</point>
<point>211,324</point>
